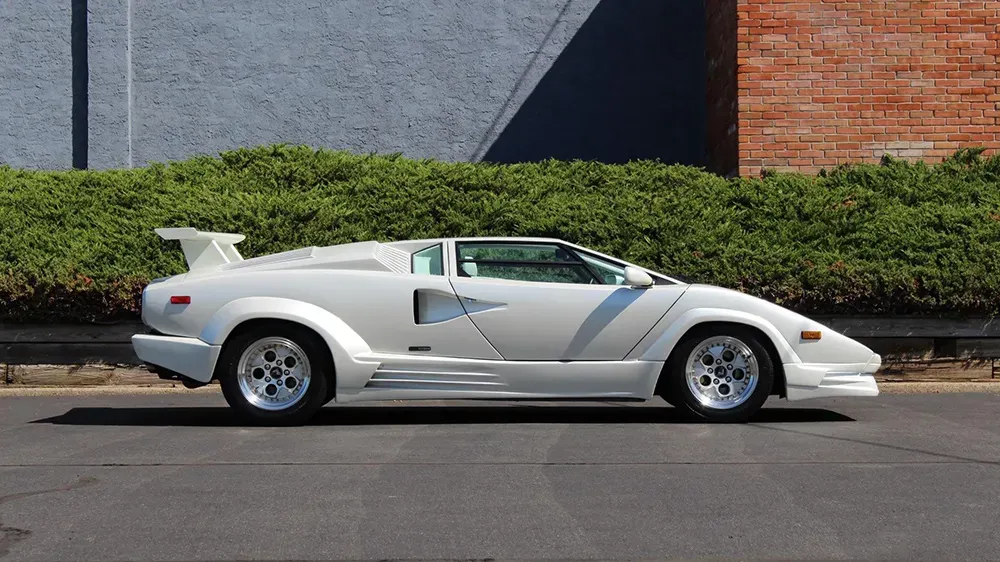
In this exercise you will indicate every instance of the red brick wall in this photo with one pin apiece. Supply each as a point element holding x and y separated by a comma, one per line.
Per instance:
<point>823,82</point>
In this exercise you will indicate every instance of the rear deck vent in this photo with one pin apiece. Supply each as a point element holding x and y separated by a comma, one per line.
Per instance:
<point>292,255</point>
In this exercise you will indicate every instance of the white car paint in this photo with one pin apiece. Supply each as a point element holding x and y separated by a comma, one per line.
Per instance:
<point>488,338</point>
<point>530,321</point>
<point>190,356</point>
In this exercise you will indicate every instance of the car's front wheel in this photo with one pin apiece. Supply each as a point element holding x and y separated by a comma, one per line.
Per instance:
<point>719,373</point>
<point>275,374</point>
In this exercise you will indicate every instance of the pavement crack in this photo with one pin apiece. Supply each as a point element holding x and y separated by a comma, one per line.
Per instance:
<point>80,483</point>
<point>953,458</point>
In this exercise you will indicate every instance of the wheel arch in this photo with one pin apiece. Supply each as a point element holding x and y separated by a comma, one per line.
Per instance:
<point>679,327</point>
<point>342,342</point>
<point>262,322</point>
<point>778,388</point>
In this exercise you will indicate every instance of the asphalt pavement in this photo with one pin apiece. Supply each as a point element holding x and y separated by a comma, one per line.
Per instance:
<point>172,477</point>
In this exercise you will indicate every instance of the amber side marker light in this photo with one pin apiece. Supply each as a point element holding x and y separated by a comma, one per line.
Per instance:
<point>812,335</point>
<point>187,300</point>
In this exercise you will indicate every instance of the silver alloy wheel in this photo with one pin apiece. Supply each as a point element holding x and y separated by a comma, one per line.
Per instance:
<point>722,372</point>
<point>274,373</point>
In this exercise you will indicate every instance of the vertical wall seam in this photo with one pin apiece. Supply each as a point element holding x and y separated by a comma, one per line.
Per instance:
<point>79,118</point>
<point>128,75</point>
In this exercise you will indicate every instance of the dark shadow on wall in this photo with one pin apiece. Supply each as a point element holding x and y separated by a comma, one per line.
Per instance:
<point>630,85</point>
<point>80,124</point>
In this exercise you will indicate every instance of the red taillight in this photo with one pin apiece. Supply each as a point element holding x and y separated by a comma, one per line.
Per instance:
<point>180,300</point>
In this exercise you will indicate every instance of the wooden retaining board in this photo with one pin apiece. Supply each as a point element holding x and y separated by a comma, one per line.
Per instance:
<point>37,353</point>
<point>907,327</point>
<point>70,333</point>
<point>938,370</point>
<point>55,344</point>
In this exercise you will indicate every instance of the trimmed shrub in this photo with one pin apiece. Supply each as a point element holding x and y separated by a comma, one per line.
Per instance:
<point>895,238</point>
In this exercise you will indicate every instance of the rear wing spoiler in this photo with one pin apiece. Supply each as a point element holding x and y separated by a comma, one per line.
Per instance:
<point>204,249</point>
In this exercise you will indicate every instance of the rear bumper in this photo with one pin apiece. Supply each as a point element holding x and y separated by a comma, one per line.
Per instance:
<point>190,357</point>
<point>810,380</point>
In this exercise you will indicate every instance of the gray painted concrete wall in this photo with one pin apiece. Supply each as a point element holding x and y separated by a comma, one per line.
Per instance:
<point>36,93</point>
<point>504,80</point>
<point>108,57</point>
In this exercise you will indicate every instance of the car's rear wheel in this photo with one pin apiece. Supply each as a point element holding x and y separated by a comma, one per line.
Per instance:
<point>275,374</point>
<point>719,373</point>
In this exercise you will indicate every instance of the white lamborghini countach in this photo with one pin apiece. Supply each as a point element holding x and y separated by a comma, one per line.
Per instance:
<point>476,318</point>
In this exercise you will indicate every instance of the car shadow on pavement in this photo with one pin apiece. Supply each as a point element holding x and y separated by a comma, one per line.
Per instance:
<point>427,415</point>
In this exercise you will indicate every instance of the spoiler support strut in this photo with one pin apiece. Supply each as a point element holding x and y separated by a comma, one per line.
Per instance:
<point>204,249</point>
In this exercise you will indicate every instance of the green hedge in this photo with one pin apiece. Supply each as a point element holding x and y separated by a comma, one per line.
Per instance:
<point>893,238</point>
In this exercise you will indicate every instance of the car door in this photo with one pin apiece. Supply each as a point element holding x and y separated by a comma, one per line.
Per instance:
<point>544,301</point>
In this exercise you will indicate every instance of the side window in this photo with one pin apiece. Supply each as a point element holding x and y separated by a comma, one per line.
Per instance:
<point>428,261</point>
<point>495,251</point>
<point>546,263</point>
<point>608,272</point>
<point>611,273</point>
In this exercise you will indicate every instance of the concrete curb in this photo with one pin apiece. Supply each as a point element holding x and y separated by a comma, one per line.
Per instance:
<point>991,387</point>
<point>105,390</point>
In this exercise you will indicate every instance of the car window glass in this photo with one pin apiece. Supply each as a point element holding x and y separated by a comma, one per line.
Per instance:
<point>514,252</point>
<point>607,272</point>
<point>428,261</point>
<point>540,263</point>
<point>530,272</point>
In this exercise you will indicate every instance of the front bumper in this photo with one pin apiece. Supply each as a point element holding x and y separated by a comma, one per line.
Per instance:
<point>812,380</point>
<point>190,357</point>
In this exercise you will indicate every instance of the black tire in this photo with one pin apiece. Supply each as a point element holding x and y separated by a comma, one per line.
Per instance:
<point>315,395</point>
<point>676,391</point>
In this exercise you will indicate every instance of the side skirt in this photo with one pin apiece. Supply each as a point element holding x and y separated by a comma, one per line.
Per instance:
<point>410,377</point>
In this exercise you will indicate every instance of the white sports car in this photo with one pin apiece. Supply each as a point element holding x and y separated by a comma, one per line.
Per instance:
<point>476,318</point>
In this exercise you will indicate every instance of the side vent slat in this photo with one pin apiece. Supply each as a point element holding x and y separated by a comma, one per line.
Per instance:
<point>395,259</point>
<point>417,379</point>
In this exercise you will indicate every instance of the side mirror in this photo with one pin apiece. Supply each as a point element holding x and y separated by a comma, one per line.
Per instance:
<point>637,277</point>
